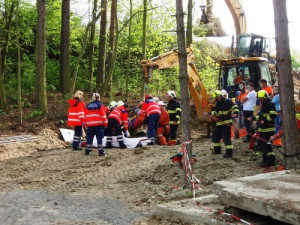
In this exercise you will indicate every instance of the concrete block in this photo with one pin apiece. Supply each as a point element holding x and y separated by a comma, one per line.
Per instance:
<point>275,194</point>
<point>187,211</point>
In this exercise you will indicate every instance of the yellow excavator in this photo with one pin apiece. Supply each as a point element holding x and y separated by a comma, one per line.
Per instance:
<point>250,53</point>
<point>252,60</point>
<point>197,89</point>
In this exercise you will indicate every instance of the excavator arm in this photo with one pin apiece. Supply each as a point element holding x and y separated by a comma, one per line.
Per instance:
<point>238,16</point>
<point>196,87</point>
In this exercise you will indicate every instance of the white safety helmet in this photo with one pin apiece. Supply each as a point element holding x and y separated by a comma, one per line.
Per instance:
<point>113,104</point>
<point>161,103</point>
<point>120,103</point>
<point>172,94</point>
<point>156,99</point>
<point>224,93</point>
<point>95,97</point>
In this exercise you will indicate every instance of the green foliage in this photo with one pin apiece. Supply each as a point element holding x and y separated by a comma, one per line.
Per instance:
<point>34,113</point>
<point>295,60</point>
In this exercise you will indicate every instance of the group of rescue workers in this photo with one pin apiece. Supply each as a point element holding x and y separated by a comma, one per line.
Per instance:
<point>262,107</point>
<point>247,106</point>
<point>112,120</point>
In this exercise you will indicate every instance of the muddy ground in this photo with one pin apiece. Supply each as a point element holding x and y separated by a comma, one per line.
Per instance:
<point>59,186</point>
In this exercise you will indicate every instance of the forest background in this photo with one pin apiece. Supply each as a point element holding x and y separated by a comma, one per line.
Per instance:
<point>124,34</point>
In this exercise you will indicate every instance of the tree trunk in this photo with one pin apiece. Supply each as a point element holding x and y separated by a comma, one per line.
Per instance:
<point>65,47</point>
<point>7,16</point>
<point>19,65</point>
<point>184,79</point>
<point>189,30</point>
<point>102,45</point>
<point>144,46</point>
<point>286,85</point>
<point>40,57</point>
<point>112,54</point>
<point>91,49</point>
<point>128,50</point>
<point>111,43</point>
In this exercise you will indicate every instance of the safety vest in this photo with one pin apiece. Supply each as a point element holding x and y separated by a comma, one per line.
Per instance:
<point>121,115</point>
<point>150,107</point>
<point>223,110</point>
<point>268,89</point>
<point>164,118</point>
<point>95,114</point>
<point>267,114</point>
<point>76,112</point>
<point>174,111</point>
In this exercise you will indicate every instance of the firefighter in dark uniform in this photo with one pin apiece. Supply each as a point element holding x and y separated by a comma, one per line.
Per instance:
<point>223,111</point>
<point>265,119</point>
<point>174,111</point>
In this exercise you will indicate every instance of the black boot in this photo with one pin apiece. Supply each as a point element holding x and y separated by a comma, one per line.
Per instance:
<point>271,160</point>
<point>87,151</point>
<point>263,163</point>
<point>108,145</point>
<point>122,145</point>
<point>101,152</point>
<point>228,154</point>
<point>217,150</point>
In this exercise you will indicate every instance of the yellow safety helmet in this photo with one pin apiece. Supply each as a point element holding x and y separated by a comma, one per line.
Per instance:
<point>262,94</point>
<point>217,93</point>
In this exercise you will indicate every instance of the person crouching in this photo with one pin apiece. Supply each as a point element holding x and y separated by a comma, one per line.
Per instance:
<point>96,121</point>
<point>116,118</point>
<point>163,126</point>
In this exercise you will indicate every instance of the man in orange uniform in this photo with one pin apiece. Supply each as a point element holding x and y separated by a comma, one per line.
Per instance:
<point>116,118</point>
<point>96,121</point>
<point>264,86</point>
<point>76,118</point>
<point>163,126</point>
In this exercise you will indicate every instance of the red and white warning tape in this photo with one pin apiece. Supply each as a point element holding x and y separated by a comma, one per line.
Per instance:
<point>193,180</point>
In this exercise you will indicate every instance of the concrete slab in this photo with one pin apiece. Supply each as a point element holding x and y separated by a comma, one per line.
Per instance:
<point>275,194</point>
<point>187,211</point>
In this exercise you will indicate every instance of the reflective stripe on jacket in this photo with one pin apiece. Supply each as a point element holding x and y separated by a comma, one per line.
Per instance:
<point>150,107</point>
<point>223,110</point>
<point>174,111</point>
<point>121,115</point>
<point>95,114</point>
<point>76,112</point>
<point>267,114</point>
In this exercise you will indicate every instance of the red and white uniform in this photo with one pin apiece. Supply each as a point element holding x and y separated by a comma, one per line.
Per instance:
<point>76,113</point>
<point>95,115</point>
<point>150,107</point>
<point>121,115</point>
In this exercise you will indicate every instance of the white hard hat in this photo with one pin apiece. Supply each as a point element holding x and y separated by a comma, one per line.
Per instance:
<point>95,97</point>
<point>172,94</point>
<point>156,99</point>
<point>161,103</point>
<point>224,92</point>
<point>112,104</point>
<point>120,103</point>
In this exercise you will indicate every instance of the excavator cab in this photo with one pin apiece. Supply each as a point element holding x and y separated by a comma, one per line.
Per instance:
<point>252,45</point>
<point>251,69</point>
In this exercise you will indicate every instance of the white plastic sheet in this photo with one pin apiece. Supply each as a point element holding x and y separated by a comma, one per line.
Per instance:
<point>129,142</point>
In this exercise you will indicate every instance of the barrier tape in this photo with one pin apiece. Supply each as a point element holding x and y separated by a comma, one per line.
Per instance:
<point>193,180</point>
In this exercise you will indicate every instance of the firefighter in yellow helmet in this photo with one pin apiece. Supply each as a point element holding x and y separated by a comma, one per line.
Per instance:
<point>265,119</point>
<point>223,111</point>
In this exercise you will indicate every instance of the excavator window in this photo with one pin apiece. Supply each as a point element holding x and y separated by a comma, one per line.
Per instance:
<point>244,46</point>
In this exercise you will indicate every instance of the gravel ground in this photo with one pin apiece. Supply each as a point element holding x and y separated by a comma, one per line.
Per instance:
<point>65,187</point>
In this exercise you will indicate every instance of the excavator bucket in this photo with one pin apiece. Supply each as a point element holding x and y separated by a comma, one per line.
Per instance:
<point>212,28</point>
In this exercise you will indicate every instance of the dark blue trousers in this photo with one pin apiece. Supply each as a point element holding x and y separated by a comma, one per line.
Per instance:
<point>152,125</point>
<point>113,124</point>
<point>77,137</point>
<point>90,133</point>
